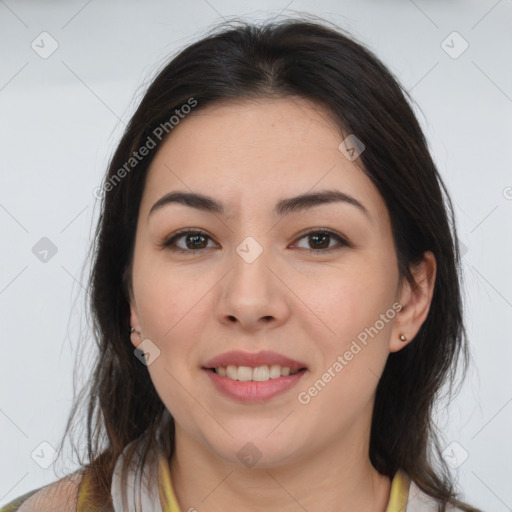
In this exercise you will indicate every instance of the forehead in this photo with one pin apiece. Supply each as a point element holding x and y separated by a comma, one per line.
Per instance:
<point>250,154</point>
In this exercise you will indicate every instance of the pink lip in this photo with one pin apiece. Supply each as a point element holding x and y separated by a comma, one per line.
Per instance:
<point>251,391</point>
<point>266,357</point>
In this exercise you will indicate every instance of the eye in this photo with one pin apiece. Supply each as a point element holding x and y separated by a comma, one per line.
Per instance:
<point>197,241</point>
<point>194,241</point>
<point>321,238</point>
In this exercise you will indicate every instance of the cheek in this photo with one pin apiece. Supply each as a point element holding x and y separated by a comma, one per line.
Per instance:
<point>356,305</point>
<point>169,305</point>
<point>167,296</point>
<point>352,298</point>
<point>353,358</point>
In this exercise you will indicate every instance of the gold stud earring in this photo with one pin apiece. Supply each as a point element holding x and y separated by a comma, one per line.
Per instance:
<point>402,337</point>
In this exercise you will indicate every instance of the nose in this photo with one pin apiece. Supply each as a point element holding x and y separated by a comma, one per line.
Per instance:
<point>253,295</point>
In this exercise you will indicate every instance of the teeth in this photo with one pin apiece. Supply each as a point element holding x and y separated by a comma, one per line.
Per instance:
<point>258,374</point>
<point>275,371</point>
<point>232,372</point>
<point>244,373</point>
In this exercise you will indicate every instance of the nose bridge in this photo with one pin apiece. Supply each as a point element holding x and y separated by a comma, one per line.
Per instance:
<point>250,263</point>
<point>251,292</point>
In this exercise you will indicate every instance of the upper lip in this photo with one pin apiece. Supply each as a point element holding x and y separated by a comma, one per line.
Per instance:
<point>253,359</point>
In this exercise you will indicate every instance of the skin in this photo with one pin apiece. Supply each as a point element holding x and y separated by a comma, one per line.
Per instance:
<point>310,307</point>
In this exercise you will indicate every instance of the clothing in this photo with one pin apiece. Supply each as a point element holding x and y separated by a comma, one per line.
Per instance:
<point>128,494</point>
<point>405,496</point>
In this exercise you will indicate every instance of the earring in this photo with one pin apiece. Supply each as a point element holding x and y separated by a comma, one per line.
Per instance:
<point>402,337</point>
<point>132,330</point>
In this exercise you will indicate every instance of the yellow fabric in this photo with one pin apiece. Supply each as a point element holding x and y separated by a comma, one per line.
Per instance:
<point>397,498</point>
<point>399,493</point>
<point>167,496</point>
<point>84,493</point>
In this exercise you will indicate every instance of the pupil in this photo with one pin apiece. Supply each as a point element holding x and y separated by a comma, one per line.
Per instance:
<point>316,237</point>
<point>194,238</point>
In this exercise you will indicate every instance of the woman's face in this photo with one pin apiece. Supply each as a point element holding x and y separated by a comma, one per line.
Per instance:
<point>251,283</point>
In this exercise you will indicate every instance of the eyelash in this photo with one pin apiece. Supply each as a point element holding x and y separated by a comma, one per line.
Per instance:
<point>168,243</point>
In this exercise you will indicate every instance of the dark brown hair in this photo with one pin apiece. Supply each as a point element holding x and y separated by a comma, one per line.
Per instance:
<point>317,61</point>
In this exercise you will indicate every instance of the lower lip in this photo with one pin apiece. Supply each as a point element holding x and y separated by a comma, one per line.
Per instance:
<point>252,391</point>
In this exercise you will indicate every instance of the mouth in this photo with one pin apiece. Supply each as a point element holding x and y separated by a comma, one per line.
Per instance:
<point>253,376</point>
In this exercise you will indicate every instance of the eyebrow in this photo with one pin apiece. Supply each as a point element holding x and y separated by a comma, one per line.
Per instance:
<point>282,207</point>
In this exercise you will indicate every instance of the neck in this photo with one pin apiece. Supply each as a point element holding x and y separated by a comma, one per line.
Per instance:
<point>338,479</point>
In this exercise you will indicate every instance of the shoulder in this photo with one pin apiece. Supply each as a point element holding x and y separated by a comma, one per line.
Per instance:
<point>60,495</point>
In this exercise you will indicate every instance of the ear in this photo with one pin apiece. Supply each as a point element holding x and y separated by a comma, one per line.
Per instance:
<point>135,337</point>
<point>415,301</point>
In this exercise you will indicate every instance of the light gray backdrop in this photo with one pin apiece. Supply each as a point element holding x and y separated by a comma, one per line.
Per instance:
<point>71,74</point>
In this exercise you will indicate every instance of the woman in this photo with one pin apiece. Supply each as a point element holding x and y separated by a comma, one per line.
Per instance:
<point>279,249</point>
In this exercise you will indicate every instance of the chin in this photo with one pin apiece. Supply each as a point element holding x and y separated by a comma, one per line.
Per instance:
<point>258,452</point>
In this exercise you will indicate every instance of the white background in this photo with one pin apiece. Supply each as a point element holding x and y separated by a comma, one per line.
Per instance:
<point>61,117</point>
